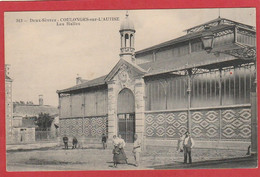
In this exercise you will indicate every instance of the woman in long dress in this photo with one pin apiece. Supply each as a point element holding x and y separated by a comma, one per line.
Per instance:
<point>121,146</point>
<point>119,156</point>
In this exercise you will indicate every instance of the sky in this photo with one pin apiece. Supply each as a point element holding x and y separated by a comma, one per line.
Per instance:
<point>45,57</point>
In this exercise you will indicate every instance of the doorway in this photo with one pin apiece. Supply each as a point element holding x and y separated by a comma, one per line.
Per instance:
<point>126,115</point>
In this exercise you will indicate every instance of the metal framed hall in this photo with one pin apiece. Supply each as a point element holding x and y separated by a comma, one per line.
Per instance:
<point>165,90</point>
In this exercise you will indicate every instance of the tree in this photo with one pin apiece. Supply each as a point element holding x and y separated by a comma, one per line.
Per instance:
<point>44,121</point>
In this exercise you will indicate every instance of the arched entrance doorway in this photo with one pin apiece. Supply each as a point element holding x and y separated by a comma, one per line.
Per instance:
<point>126,115</point>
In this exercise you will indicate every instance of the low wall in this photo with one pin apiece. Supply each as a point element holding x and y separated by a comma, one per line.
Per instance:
<point>201,144</point>
<point>83,126</point>
<point>229,123</point>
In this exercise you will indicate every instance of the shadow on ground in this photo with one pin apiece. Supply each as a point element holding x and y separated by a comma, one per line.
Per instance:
<point>33,161</point>
<point>50,148</point>
<point>242,162</point>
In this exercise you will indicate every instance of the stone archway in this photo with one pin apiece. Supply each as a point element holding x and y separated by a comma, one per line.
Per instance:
<point>126,115</point>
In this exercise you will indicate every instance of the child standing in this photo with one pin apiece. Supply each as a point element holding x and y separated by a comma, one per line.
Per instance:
<point>116,152</point>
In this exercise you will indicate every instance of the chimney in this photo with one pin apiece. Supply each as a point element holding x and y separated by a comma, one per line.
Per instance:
<point>41,100</point>
<point>7,68</point>
<point>78,80</point>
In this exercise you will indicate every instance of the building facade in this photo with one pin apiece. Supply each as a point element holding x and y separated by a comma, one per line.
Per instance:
<point>165,90</point>
<point>8,104</point>
<point>25,116</point>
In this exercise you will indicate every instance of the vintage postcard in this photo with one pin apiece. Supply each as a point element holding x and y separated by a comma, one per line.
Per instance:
<point>130,89</point>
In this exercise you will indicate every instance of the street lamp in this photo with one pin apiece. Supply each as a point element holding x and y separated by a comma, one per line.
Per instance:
<point>207,39</point>
<point>244,52</point>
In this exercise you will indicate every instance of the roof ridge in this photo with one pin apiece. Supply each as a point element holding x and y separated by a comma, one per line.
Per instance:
<point>84,84</point>
<point>179,39</point>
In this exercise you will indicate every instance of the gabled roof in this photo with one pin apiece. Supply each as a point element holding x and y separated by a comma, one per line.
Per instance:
<point>34,110</point>
<point>103,79</point>
<point>28,123</point>
<point>199,59</point>
<point>184,38</point>
<point>133,66</point>
<point>223,24</point>
<point>218,21</point>
<point>91,83</point>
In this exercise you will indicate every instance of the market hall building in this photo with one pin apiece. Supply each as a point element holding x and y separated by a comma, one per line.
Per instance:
<point>165,90</point>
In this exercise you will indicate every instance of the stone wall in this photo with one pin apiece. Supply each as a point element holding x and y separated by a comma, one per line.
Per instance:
<point>8,111</point>
<point>126,78</point>
<point>83,127</point>
<point>214,124</point>
<point>23,135</point>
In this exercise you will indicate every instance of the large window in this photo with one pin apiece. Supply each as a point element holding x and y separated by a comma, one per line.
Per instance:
<point>157,95</point>
<point>96,103</point>
<point>236,85</point>
<point>76,105</point>
<point>230,87</point>
<point>205,89</point>
<point>65,109</point>
<point>225,39</point>
<point>167,93</point>
<point>176,92</point>
<point>246,38</point>
<point>87,103</point>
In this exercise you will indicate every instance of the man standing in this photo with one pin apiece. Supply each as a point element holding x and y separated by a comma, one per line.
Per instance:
<point>137,150</point>
<point>65,141</point>
<point>104,141</point>
<point>188,144</point>
<point>74,143</point>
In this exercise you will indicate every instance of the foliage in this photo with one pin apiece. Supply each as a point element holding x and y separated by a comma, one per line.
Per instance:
<point>44,121</point>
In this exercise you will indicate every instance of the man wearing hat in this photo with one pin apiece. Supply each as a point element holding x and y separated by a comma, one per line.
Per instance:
<point>188,144</point>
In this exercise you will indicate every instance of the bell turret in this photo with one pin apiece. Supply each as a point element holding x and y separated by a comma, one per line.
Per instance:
<point>127,33</point>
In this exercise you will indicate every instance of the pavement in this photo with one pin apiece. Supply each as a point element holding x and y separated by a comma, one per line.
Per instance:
<point>31,146</point>
<point>239,162</point>
<point>55,158</point>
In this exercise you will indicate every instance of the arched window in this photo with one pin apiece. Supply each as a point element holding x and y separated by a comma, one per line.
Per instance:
<point>125,101</point>
<point>127,40</point>
<point>122,40</point>
<point>131,41</point>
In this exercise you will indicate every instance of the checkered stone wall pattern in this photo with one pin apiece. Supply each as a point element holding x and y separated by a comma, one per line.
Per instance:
<point>166,125</point>
<point>236,124</point>
<point>214,124</point>
<point>205,124</point>
<point>88,127</point>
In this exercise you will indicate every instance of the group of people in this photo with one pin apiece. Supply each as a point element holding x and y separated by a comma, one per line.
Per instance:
<point>185,144</point>
<point>119,155</point>
<point>66,142</point>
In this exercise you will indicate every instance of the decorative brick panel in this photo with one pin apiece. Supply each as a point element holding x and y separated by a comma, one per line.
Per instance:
<point>89,127</point>
<point>232,123</point>
<point>71,127</point>
<point>236,124</point>
<point>166,125</point>
<point>205,124</point>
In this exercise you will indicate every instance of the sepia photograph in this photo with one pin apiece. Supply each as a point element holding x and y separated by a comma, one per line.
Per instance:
<point>150,89</point>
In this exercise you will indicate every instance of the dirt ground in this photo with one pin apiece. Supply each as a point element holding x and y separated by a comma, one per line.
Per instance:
<point>95,158</point>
